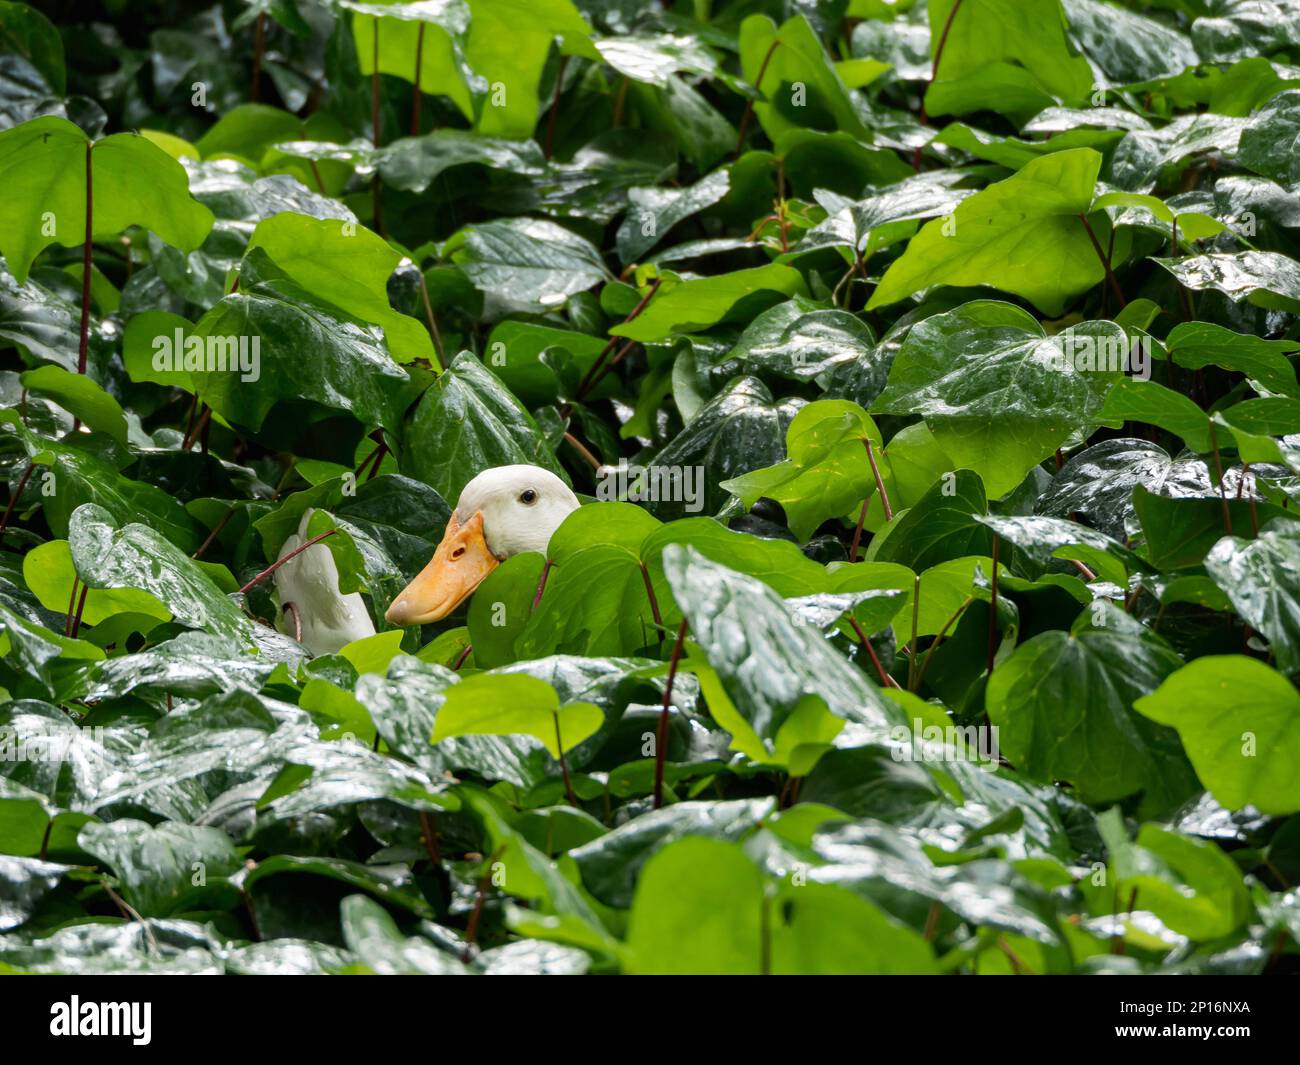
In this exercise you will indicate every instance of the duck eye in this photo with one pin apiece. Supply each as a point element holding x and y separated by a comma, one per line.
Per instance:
<point>528,497</point>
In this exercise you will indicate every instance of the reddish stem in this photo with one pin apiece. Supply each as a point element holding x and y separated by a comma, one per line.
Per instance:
<point>555,107</point>
<point>592,377</point>
<point>259,44</point>
<point>415,92</point>
<point>661,738</point>
<point>749,104</point>
<point>13,500</point>
<point>541,584</point>
<point>86,266</point>
<point>281,561</point>
<point>885,679</point>
<point>880,484</point>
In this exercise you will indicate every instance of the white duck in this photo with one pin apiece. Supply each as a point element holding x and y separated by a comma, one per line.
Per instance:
<point>502,512</point>
<point>310,582</point>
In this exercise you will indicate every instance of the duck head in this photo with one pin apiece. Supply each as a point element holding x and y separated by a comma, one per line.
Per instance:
<point>501,512</point>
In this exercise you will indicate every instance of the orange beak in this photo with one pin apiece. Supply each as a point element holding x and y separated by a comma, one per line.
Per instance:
<point>458,566</point>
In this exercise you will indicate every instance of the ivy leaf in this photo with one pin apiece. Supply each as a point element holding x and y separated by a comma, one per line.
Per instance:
<point>1262,578</point>
<point>467,422</point>
<point>998,394</point>
<point>351,369</point>
<point>1266,279</point>
<point>43,166</point>
<point>769,671</point>
<point>347,265</point>
<point>991,46</point>
<point>1240,723</point>
<point>1198,344</point>
<point>693,305</point>
<point>827,471</point>
<point>1002,235</point>
<point>1063,702</point>
<point>135,556</point>
<point>508,43</point>
<point>156,864</point>
<point>1270,141</point>
<point>653,212</point>
<point>80,396</point>
<point>493,704</point>
<point>528,264</point>
<point>789,60</point>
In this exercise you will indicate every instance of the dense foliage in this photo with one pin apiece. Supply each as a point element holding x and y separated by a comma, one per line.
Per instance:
<point>952,625</point>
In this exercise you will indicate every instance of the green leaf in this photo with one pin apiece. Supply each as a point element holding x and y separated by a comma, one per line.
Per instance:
<point>827,471</point>
<point>508,43</point>
<point>1001,235</point>
<point>798,84</point>
<point>1017,39</point>
<point>1266,279</point>
<point>159,867</point>
<point>268,323</point>
<point>1198,344</point>
<point>529,264</point>
<point>700,908</point>
<point>653,212</point>
<point>1063,704</point>
<point>1148,401</point>
<point>693,305</point>
<point>777,664</point>
<point>941,526</point>
<point>1239,721</point>
<point>43,166</point>
<point>467,422</point>
<point>81,396</point>
<point>1262,578</point>
<point>1190,884</point>
<point>346,265</point>
<point>998,394</point>
<point>135,556</point>
<point>1270,141</point>
<point>504,705</point>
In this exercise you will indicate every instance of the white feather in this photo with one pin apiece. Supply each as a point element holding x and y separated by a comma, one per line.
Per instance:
<point>310,581</point>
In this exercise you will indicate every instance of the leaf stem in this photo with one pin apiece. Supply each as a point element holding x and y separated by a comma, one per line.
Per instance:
<point>281,561</point>
<point>13,499</point>
<point>555,108</point>
<point>654,603</point>
<point>429,833</point>
<point>886,679</point>
<point>880,484</point>
<point>259,45</point>
<point>1105,262</point>
<point>749,103</point>
<point>460,660</point>
<point>929,653</point>
<point>83,345</point>
<point>582,450</point>
<point>432,321</point>
<point>1218,469</point>
<point>857,531</point>
<point>923,118</point>
<point>661,738</point>
<point>592,377</point>
<point>911,644</point>
<point>377,208</point>
<point>415,89</point>
<point>541,584</point>
<point>216,531</point>
<point>564,764</point>
<point>993,606</point>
